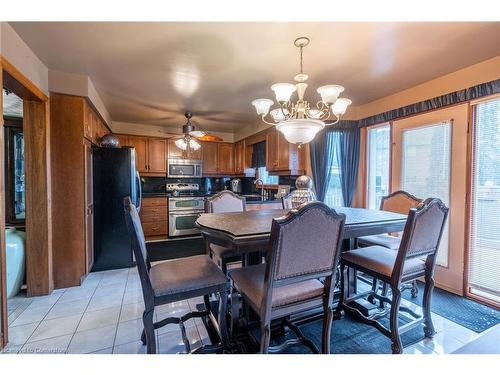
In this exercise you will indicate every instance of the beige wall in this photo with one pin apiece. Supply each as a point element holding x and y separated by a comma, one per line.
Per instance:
<point>80,85</point>
<point>13,48</point>
<point>157,131</point>
<point>485,71</point>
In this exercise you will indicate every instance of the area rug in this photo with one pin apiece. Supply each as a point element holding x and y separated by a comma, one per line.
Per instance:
<point>463,311</point>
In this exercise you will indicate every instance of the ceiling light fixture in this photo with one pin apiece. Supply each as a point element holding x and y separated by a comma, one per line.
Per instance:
<point>187,142</point>
<point>298,122</point>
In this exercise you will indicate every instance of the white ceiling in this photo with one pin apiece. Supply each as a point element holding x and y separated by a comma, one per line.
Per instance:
<point>150,73</point>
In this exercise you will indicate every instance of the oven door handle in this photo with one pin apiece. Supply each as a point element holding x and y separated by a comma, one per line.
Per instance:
<point>186,213</point>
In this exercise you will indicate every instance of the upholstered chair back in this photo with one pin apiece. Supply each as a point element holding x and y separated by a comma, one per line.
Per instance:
<point>400,202</point>
<point>226,201</point>
<point>138,245</point>
<point>306,241</point>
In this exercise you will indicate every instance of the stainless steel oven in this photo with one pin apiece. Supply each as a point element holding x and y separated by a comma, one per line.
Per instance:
<point>184,168</point>
<point>182,215</point>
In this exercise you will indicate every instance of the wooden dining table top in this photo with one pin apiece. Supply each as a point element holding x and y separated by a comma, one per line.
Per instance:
<point>248,225</point>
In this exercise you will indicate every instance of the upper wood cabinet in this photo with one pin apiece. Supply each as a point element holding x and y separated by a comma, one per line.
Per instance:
<point>157,155</point>
<point>150,153</point>
<point>282,157</point>
<point>93,126</point>
<point>175,152</point>
<point>239,157</point>
<point>218,158</point>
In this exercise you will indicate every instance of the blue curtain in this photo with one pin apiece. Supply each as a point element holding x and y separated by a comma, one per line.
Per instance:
<point>321,150</point>
<point>348,161</point>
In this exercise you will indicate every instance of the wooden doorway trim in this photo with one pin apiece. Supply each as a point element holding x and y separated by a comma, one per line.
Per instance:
<point>38,213</point>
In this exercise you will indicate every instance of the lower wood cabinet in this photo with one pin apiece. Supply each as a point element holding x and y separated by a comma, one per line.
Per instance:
<point>154,217</point>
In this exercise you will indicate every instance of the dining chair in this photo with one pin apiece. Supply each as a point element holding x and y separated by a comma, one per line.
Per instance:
<point>421,238</point>
<point>224,201</point>
<point>177,280</point>
<point>399,202</point>
<point>304,246</point>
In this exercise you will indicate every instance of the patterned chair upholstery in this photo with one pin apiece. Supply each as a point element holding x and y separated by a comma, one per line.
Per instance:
<point>304,247</point>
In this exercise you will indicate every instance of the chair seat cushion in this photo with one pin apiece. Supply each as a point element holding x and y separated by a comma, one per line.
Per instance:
<point>385,240</point>
<point>250,281</point>
<point>380,260</point>
<point>185,275</point>
<point>221,251</point>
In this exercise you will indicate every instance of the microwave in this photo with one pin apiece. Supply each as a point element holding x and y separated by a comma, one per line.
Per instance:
<point>184,168</point>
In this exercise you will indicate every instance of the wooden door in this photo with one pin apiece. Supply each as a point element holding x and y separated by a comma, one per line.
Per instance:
<point>225,158</point>
<point>429,153</point>
<point>157,155</point>
<point>123,139</point>
<point>239,157</point>
<point>272,150</point>
<point>89,207</point>
<point>141,152</point>
<point>210,157</point>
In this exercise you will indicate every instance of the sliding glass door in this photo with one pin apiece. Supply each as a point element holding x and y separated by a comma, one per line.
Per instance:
<point>484,226</point>
<point>429,160</point>
<point>378,164</point>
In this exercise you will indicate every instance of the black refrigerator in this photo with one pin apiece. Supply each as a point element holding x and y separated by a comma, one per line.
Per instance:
<point>115,178</point>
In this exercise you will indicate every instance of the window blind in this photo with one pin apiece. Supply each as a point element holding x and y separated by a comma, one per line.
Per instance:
<point>484,241</point>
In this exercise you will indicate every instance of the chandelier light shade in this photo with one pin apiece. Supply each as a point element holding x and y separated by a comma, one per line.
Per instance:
<point>298,122</point>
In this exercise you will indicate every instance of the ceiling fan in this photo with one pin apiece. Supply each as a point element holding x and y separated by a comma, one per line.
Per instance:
<point>191,135</point>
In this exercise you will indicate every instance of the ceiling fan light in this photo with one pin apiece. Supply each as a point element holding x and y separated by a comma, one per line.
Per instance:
<point>277,114</point>
<point>299,131</point>
<point>329,93</point>
<point>197,133</point>
<point>181,143</point>
<point>340,106</point>
<point>194,145</point>
<point>262,105</point>
<point>283,91</point>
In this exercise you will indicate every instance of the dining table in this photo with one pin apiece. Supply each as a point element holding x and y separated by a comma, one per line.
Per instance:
<point>247,233</point>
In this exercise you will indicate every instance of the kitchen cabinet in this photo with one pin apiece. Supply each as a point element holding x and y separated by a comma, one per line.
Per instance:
<point>157,155</point>
<point>239,157</point>
<point>141,152</point>
<point>123,139</point>
<point>282,157</point>
<point>154,217</point>
<point>218,158</point>
<point>175,152</point>
<point>73,124</point>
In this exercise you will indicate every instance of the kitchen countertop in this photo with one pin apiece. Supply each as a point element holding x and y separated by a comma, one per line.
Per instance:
<point>155,195</point>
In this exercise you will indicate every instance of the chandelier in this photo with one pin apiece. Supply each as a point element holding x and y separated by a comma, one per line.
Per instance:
<point>298,122</point>
<point>187,141</point>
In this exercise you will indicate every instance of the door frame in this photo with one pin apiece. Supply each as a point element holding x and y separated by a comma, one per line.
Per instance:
<point>471,133</point>
<point>452,277</point>
<point>38,192</point>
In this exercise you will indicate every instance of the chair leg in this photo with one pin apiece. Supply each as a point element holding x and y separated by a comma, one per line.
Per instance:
<point>371,296</point>
<point>429,287</point>
<point>222,319</point>
<point>414,289</point>
<point>384,294</point>
<point>149,331</point>
<point>340,305</point>
<point>327,328</point>
<point>265,337</point>
<point>397,346</point>
<point>235,312</point>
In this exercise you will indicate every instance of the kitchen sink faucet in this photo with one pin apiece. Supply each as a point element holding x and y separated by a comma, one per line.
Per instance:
<point>261,187</point>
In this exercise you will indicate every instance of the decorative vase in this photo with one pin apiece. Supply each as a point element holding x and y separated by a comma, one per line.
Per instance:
<point>15,254</point>
<point>304,192</point>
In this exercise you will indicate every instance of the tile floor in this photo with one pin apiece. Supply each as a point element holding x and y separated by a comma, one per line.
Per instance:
<point>103,316</point>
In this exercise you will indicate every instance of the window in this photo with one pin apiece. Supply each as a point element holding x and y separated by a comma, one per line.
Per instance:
<point>484,240</point>
<point>333,196</point>
<point>426,169</point>
<point>263,174</point>
<point>378,152</point>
